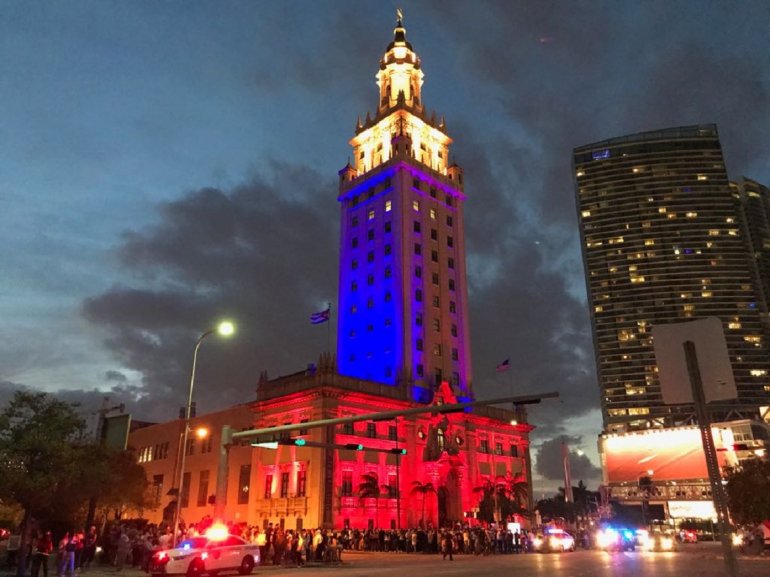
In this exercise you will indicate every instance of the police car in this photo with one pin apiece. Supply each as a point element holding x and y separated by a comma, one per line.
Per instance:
<point>214,553</point>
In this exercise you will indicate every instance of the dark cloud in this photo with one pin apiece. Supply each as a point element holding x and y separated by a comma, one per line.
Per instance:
<point>115,377</point>
<point>549,462</point>
<point>263,254</point>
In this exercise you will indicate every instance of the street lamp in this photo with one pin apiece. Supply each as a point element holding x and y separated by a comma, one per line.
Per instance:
<point>224,329</point>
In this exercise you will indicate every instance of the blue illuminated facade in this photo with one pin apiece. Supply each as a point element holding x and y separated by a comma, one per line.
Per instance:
<point>402,291</point>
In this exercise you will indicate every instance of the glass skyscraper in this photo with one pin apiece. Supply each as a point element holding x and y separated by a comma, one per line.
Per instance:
<point>665,239</point>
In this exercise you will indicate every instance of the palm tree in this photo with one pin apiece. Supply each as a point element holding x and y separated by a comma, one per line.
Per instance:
<point>492,491</point>
<point>422,489</point>
<point>518,489</point>
<point>369,487</point>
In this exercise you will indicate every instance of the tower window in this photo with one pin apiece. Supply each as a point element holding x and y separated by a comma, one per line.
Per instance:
<point>418,344</point>
<point>416,183</point>
<point>416,205</point>
<point>354,309</point>
<point>452,307</point>
<point>352,334</point>
<point>388,322</point>
<point>434,255</point>
<point>451,262</point>
<point>388,226</point>
<point>370,256</point>
<point>433,214</point>
<point>436,350</point>
<point>370,215</point>
<point>450,241</point>
<point>388,272</point>
<point>354,264</point>
<point>370,303</point>
<point>433,192</point>
<point>371,430</point>
<point>436,325</point>
<point>451,284</point>
<point>417,248</point>
<point>455,355</point>
<point>435,278</point>
<point>388,205</point>
<point>354,242</point>
<point>455,378</point>
<point>418,320</point>
<point>353,286</point>
<point>418,272</point>
<point>370,279</point>
<point>388,297</point>
<point>449,220</point>
<point>454,330</point>
<point>416,226</point>
<point>369,329</point>
<point>387,249</point>
<point>418,295</point>
<point>419,370</point>
<point>436,302</point>
<point>388,371</point>
<point>354,221</point>
<point>433,234</point>
<point>448,200</point>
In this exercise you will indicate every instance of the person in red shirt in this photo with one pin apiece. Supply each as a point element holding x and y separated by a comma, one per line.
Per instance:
<point>41,551</point>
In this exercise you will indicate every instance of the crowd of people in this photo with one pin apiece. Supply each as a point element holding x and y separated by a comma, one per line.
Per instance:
<point>133,545</point>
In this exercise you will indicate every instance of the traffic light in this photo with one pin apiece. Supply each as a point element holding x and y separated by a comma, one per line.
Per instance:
<point>354,446</point>
<point>299,442</point>
<point>398,451</point>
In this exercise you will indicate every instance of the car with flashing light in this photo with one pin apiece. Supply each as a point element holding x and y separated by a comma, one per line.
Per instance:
<point>616,539</point>
<point>210,554</point>
<point>655,540</point>
<point>553,540</point>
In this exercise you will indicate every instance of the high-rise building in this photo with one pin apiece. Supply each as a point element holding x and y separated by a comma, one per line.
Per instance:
<point>403,345</point>
<point>666,238</point>
<point>663,241</point>
<point>402,290</point>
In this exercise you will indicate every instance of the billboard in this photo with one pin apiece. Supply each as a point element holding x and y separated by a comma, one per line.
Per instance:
<point>664,455</point>
<point>114,432</point>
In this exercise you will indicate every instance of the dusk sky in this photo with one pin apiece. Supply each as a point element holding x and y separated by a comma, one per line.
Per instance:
<point>164,165</point>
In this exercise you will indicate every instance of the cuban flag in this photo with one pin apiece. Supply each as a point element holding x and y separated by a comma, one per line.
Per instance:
<point>504,366</point>
<point>321,317</point>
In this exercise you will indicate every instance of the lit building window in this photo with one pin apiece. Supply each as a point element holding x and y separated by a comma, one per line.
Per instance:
<point>436,350</point>
<point>388,205</point>
<point>758,372</point>
<point>586,213</point>
<point>416,205</point>
<point>433,214</point>
<point>370,216</point>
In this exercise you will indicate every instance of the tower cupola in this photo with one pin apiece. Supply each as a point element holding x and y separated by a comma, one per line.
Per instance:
<point>399,72</point>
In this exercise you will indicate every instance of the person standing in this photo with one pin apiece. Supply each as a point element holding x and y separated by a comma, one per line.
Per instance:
<point>89,547</point>
<point>66,555</point>
<point>41,553</point>
<point>446,545</point>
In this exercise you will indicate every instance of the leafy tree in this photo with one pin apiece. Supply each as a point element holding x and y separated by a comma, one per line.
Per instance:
<point>420,488</point>
<point>38,436</point>
<point>748,491</point>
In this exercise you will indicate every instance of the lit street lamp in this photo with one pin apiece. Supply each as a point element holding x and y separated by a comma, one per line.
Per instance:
<point>225,329</point>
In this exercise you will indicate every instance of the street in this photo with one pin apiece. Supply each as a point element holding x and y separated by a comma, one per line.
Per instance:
<point>701,560</point>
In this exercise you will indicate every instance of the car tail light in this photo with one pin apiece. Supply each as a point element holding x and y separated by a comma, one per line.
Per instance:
<point>161,557</point>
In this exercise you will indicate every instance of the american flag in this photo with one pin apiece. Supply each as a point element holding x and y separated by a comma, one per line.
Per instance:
<point>321,317</point>
<point>504,366</point>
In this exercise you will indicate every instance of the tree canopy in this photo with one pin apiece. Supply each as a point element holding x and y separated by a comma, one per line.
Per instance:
<point>748,491</point>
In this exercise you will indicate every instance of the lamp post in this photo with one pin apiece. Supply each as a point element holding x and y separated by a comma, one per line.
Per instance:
<point>225,329</point>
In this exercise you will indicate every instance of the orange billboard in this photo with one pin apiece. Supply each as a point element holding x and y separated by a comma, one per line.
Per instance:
<point>665,455</point>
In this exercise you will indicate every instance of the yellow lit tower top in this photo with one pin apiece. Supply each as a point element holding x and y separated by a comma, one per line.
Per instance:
<point>400,111</point>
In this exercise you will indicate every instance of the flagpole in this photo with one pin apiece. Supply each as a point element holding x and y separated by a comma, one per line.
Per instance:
<point>329,330</point>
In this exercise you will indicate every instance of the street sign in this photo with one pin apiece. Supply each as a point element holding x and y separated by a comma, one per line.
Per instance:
<point>713,360</point>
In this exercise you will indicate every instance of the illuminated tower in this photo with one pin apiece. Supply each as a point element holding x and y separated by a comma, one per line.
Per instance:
<point>663,242</point>
<point>402,292</point>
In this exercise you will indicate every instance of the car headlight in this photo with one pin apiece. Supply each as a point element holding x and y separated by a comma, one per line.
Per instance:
<point>667,544</point>
<point>737,540</point>
<point>538,542</point>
